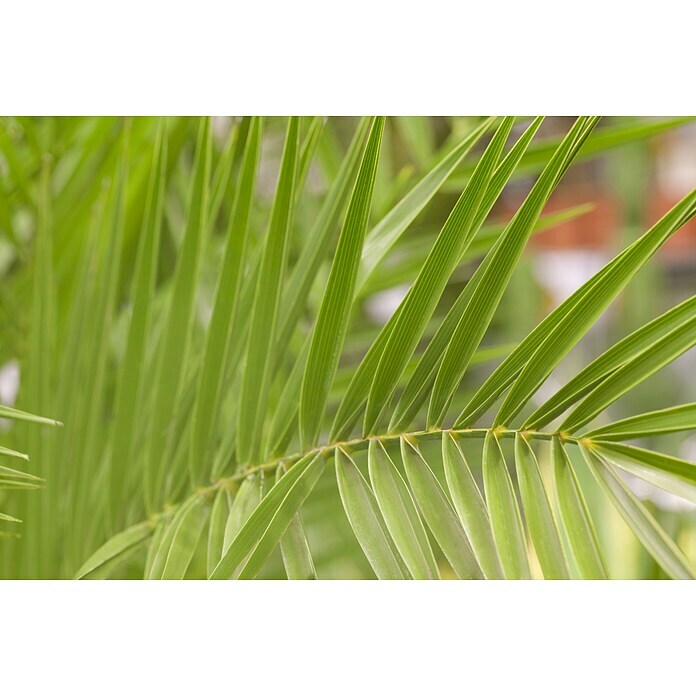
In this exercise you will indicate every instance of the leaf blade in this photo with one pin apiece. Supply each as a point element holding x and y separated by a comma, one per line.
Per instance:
<point>471,507</point>
<point>575,517</point>
<point>400,514</point>
<point>653,537</point>
<point>332,322</point>
<point>538,514</point>
<point>261,341</point>
<point>439,514</point>
<point>365,518</point>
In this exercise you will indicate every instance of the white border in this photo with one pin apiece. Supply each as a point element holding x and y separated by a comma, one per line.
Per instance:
<point>346,638</point>
<point>312,56</point>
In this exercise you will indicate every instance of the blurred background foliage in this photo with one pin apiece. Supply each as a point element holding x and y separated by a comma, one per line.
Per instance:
<point>607,199</point>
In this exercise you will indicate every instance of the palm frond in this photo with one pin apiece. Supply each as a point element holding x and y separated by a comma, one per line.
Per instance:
<point>231,413</point>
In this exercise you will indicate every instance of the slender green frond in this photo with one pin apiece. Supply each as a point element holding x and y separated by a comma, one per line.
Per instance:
<point>400,514</point>
<point>365,518</point>
<point>632,373</point>
<point>258,524</point>
<point>506,522</point>
<point>572,326</point>
<point>417,308</point>
<point>15,414</point>
<point>223,318</point>
<point>575,517</point>
<point>176,336</point>
<point>261,343</point>
<point>294,547</point>
<point>674,475</point>
<point>667,420</point>
<point>114,547</point>
<point>330,328</point>
<point>246,500</point>
<point>187,527</point>
<point>486,297</point>
<point>667,554</point>
<point>314,250</point>
<point>281,520</point>
<point>216,528</point>
<point>384,235</point>
<point>130,381</point>
<point>439,514</point>
<point>617,355</point>
<point>470,507</point>
<point>537,512</point>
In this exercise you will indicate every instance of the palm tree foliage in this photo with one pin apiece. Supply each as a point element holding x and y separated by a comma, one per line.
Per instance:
<point>193,327</point>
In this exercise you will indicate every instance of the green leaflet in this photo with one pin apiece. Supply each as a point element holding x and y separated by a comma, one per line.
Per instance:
<point>572,326</point>
<point>506,522</point>
<point>552,325</point>
<point>216,528</point>
<point>114,547</point>
<point>365,519</point>
<point>178,327</point>
<point>601,140</point>
<point>227,166</point>
<point>667,554</point>
<point>155,544</point>
<point>223,317</point>
<point>470,507</point>
<point>160,554</point>
<point>401,269</point>
<point>387,232</point>
<point>258,523</point>
<point>667,420</point>
<point>656,356</point>
<point>360,385</point>
<point>246,500</point>
<point>15,414</point>
<point>669,473</point>
<point>439,514</point>
<point>417,134</point>
<point>294,547</point>
<point>100,311</point>
<point>287,405</point>
<point>330,328</point>
<point>537,512</point>
<point>479,312</point>
<point>400,514</point>
<point>314,250</point>
<point>575,517</point>
<point>261,342</point>
<point>417,389</point>
<point>616,356</point>
<point>130,380</point>
<point>309,147</point>
<point>422,298</point>
<point>186,529</point>
<point>283,516</point>
<point>7,452</point>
